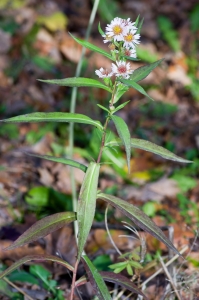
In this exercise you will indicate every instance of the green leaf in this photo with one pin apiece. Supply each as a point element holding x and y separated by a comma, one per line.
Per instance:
<point>151,147</point>
<point>121,106</point>
<point>54,117</point>
<point>121,89</point>
<point>136,86</point>
<point>92,47</point>
<point>118,265</point>
<point>96,279</point>
<point>102,107</point>
<point>131,58</point>
<point>139,218</point>
<point>5,289</point>
<point>140,26</point>
<point>42,258</point>
<point>100,30</point>
<point>122,281</point>
<point>129,270</point>
<point>137,21</point>
<point>42,228</point>
<point>77,82</point>
<point>38,196</point>
<point>144,71</point>
<point>86,204</point>
<point>124,134</point>
<point>61,160</point>
<point>23,276</point>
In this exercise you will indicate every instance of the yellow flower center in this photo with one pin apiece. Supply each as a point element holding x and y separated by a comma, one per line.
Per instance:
<point>129,37</point>
<point>117,29</point>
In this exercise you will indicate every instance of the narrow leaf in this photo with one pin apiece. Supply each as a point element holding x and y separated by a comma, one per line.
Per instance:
<point>42,258</point>
<point>131,58</point>
<point>124,134</point>
<point>136,86</point>
<point>137,21</point>
<point>144,71</point>
<point>150,147</point>
<point>121,106</point>
<point>102,107</point>
<point>96,279</point>
<point>92,47</point>
<point>86,204</point>
<point>54,117</point>
<point>61,160</point>
<point>100,30</point>
<point>122,281</point>
<point>139,218</point>
<point>140,26</point>
<point>77,82</point>
<point>43,227</point>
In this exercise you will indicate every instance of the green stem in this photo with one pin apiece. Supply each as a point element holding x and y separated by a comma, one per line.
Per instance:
<point>72,110</point>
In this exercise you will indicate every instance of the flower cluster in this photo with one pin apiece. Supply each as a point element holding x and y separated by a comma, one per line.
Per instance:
<point>122,36</point>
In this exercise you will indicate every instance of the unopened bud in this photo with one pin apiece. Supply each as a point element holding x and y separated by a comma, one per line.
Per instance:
<point>112,107</point>
<point>111,46</point>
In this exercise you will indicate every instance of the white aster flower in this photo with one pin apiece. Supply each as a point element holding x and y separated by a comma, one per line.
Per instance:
<point>122,69</point>
<point>103,73</point>
<point>131,39</point>
<point>107,38</point>
<point>129,24</point>
<point>117,29</point>
<point>130,52</point>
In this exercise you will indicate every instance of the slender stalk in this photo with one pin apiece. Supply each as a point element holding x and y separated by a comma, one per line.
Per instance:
<point>74,279</point>
<point>72,110</point>
<point>103,140</point>
<point>71,136</point>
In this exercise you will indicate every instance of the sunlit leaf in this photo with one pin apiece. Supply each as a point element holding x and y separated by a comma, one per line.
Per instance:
<point>54,117</point>
<point>96,279</point>
<point>61,160</point>
<point>136,86</point>
<point>43,227</point>
<point>42,258</point>
<point>151,147</point>
<point>77,82</point>
<point>54,22</point>
<point>139,218</point>
<point>124,135</point>
<point>86,204</point>
<point>92,47</point>
<point>144,71</point>
<point>122,281</point>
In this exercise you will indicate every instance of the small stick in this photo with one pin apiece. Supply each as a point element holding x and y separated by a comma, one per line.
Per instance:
<point>17,288</point>
<point>169,277</point>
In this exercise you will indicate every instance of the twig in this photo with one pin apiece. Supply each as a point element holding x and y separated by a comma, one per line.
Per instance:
<point>167,264</point>
<point>169,277</point>
<point>17,288</point>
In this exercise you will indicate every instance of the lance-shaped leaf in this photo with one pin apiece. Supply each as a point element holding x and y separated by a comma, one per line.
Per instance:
<point>26,259</point>
<point>136,86</point>
<point>96,279</point>
<point>43,227</point>
<point>139,218</point>
<point>86,204</point>
<point>150,147</point>
<point>122,281</point>
<point>144,71</point>
<point>54,117</point>
<point>77,82</point>
<point>92,47</point>
<point>124,134</point>
<point>61,160</point>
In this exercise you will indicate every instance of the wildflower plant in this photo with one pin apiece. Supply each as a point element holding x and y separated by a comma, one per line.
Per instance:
<point>123,37</point>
